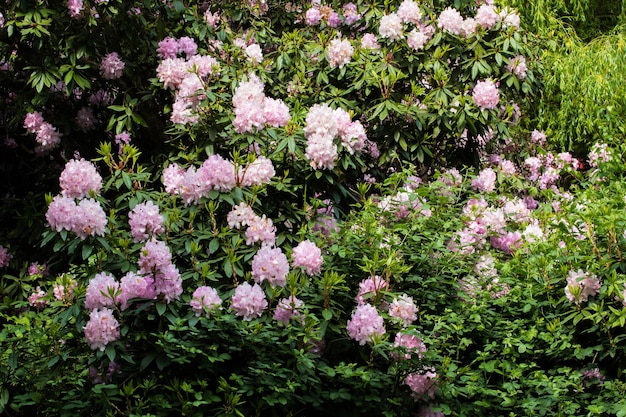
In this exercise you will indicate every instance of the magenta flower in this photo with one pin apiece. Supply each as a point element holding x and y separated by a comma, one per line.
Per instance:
<point>5,257</point>
<point>38,298</point>
<point>422,383</point>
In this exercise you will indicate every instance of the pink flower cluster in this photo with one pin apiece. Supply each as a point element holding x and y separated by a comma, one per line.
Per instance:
<point>87,218</point>
<point>85,119</point>
<point>518,67</point>
<point>392,26</point>
<point>486,94</point>
<point>485,223</point>
<point>38,298</point>
<point>339,52</point>
<point>422,383</point>
<point>318,13</point>
<point>253,109</point>
<point>249,301</point>
<point>270,264</point>
<point>216,173</point>
<point>112,66</point>
<point>545,170</point>
<point>75,7</point>
<point>259,228</point>
<point>102,291</point>
<point>185,76</point>
<point>599,153</point>
<point>404,203</point>
<point>371,289</point>
<point>581,285</point>
<point>486,180</point>
<point>80,179</point>
<point>5,257</point>
<point>404,309</point>
<point>287,309</point>
<point>47,136</point>
<point>205,300</point>
<point>145,221</point>
<point>258,172</point>
<point>101,329</point>
<point>451,21</point>
<point>308,256</point>
<point>365,324</point>
<point>323,125</point>
<point>410,345</point>
<point>155,263</point>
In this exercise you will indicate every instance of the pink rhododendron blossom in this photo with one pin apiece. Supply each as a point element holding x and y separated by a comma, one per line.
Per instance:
<point>89,219</point>
<point>369,41</point>
<point>33,121</point>
<point>599,153</point>
<point>75,7</point>
<point>5,257</point>
<point>270,264</point>
<point>205,300</point>
<point>391,27</point>
<point>333,19</point>
<point>79,179</point>
<point>173,177</point>
<point>508,242</point>
<point>101,329</point>
<point>365,324</point>
<point>135,286</point>
<point>518,67</point>
<point>241,215</point>
<point>339,52</point>
<point>321,152</point>
<point>154,256</point>
<point>187,45</point>
<point>276,112</point>
<point>486,180</point>
<point>370,287</point>
<point>216,173</point>
<point>112,66</point>
<point>409,12</point>
<point>313,16</point>
<point>102,291</point>
<point>254,53</point>
<point>38,298</point>
<point>580,286</point>
<point>64,288</point>
<point>259,172</point>
<point>307,256</point>
<point>212,19</point>
<point>249,301</point>
<point>509,18</point>
<point>287,309</point>
<point>486,16</point>
<point>168,48</point>
<point>260,229</point>
<point>168,282</point>
<point>417,39</point>
<point>172,71</point>
<point>422,383</point>
<point>350,14</point>
<point>403,308</point>
<point>411,344</point>
<point>486,94</point>
<point>450,20</point>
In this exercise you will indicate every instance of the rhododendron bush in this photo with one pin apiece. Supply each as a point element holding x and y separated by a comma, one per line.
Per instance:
<point>285,209</point>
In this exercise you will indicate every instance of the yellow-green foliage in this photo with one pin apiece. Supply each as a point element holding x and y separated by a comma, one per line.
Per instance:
<point>585,94</point>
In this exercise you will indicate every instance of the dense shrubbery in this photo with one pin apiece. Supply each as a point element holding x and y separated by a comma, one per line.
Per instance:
<point>270,219</point>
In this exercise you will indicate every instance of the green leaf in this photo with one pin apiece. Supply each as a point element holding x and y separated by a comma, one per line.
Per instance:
<point>161,307</point>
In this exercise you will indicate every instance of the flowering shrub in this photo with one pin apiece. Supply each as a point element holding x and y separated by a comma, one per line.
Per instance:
<point>256,243</point>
